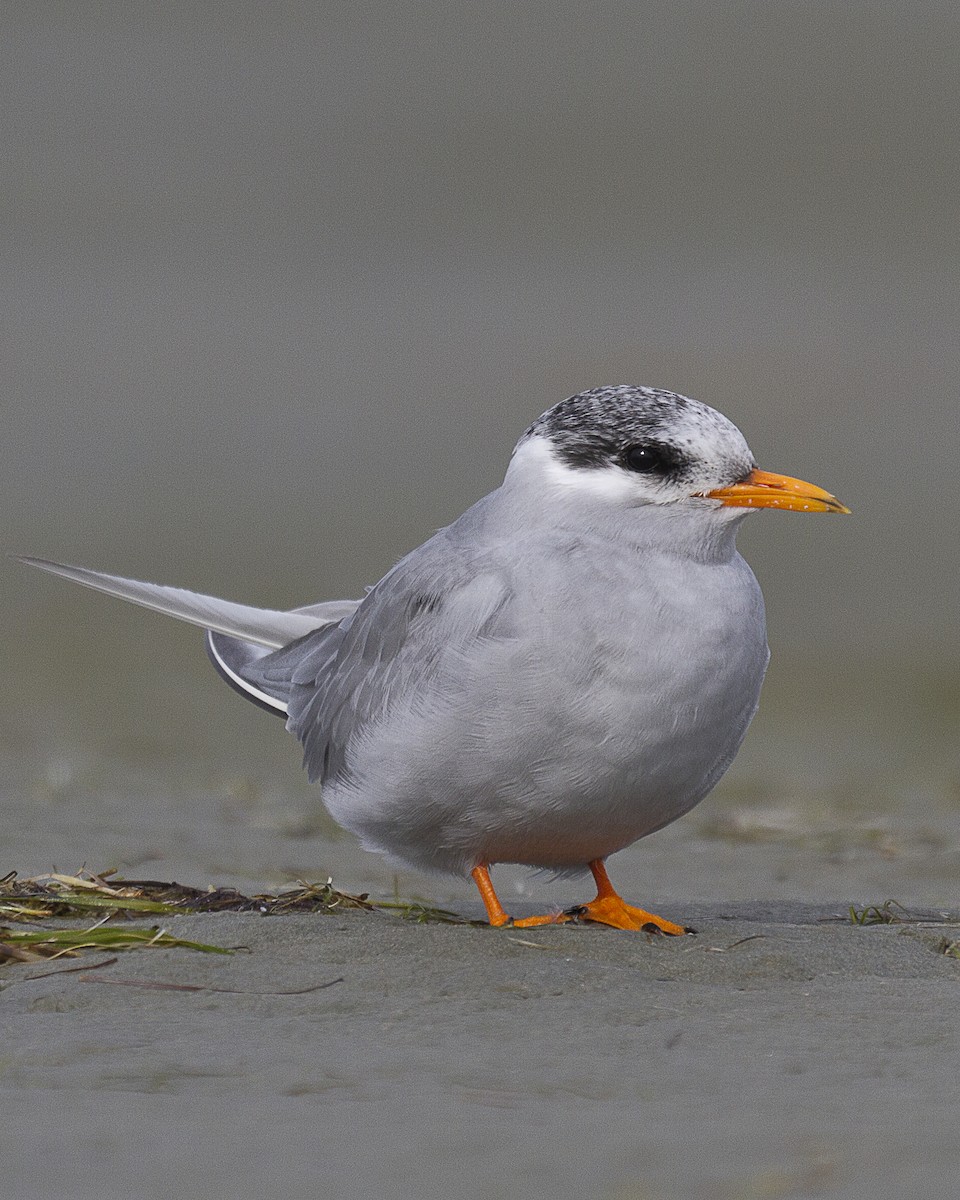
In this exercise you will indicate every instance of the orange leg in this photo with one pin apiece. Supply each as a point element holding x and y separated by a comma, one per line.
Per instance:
<point>495,913</point>
<point>607,909</point>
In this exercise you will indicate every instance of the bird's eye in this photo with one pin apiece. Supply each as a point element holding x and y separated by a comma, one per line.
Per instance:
<point>648,459</point>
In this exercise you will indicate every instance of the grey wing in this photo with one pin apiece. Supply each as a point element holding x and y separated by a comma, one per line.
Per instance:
<point>234,658</point>
<point>438,603</point>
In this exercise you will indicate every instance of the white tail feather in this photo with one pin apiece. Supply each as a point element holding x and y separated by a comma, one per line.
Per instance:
<point>261,626</point>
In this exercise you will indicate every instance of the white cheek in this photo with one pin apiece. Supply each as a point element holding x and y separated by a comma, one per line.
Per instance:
<point>604,483</point>
<point>608,484</point>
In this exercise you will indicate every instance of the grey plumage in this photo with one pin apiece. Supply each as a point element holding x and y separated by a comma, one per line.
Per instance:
<point>489,678</point>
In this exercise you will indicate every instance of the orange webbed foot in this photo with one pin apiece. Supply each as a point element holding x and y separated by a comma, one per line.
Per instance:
<point>609,908</point>
<point>614,911</point>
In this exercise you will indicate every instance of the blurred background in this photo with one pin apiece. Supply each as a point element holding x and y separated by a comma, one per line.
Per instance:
<point>282,286</point>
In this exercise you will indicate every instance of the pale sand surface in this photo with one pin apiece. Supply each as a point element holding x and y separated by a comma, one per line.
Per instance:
<point>816,1058</point>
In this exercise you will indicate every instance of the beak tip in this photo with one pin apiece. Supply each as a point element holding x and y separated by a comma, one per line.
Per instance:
<point>762,489</point>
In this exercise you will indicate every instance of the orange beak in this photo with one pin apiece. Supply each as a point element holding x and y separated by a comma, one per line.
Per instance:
<point>763,489</point>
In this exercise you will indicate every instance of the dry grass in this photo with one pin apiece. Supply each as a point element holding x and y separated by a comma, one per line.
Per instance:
<point>37,944</point>
<point>56,897</point>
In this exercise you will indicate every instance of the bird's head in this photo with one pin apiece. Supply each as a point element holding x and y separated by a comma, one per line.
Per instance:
<point>635,446</point>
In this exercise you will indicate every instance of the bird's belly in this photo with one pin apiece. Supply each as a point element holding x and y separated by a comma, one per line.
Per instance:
<point>631,768</point>
<point>554,766</point>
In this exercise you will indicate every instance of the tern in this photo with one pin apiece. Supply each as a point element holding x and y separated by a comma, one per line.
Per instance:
<point>568,667</point>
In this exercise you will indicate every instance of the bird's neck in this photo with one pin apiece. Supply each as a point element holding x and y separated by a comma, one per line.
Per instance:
<point>691,533</point>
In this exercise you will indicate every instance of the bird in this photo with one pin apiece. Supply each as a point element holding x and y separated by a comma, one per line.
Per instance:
<point>569,666</point>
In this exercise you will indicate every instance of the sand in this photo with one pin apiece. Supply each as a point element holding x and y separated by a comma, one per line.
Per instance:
<point>782,1051</point>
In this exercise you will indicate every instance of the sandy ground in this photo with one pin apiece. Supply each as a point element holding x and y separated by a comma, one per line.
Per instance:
<point>781,1051</point>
